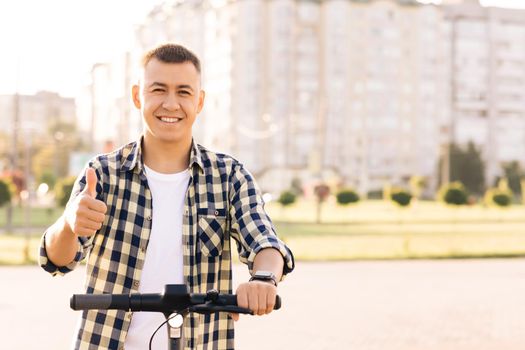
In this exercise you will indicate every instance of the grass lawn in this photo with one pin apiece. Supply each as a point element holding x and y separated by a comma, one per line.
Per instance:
<point>39,217</point>
<point>12,249</point>
<point>382,230</point>
<point>367,230</point>
<point>379,211</point>
<point>409,246</point>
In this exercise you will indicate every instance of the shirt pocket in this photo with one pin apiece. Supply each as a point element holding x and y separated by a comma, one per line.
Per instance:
<point>212,226</point>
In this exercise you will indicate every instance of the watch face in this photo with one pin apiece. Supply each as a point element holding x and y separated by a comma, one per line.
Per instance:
<point>264,276</point>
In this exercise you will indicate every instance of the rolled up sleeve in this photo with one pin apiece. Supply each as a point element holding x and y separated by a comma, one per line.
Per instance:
<point>84,244</point>
<point>251,226</point>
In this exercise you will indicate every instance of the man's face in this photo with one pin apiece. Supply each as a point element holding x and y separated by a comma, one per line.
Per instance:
<point>169,98</point>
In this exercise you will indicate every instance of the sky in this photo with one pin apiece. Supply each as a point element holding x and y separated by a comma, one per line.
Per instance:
<point>52,44</point>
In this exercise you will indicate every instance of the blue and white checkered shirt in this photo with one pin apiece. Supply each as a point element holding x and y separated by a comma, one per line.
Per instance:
<point>222,202</point>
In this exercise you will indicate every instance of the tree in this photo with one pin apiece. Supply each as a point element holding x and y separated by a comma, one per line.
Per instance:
<point>17,183</point>
<point>522,183</point>
<point>322,191</point>
<point>6,191</point>
<point>6,194</point>
<point>347,196</point>
<point>453,193</point>
<point>467,167</point>
<point>296,187</point>
<point>48,178</point>
<point>514,174</point>
<point>63,190</point>
<point>43,162</point>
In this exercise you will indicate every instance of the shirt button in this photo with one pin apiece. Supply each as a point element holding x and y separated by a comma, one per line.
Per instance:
<point>143,249</point>
<point>148,218</point>
<point>216,212</point>
<point>136,284</point>
<point>129,316</point>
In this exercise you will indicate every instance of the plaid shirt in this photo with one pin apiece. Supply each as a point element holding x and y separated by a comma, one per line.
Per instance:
<point>222,202</point>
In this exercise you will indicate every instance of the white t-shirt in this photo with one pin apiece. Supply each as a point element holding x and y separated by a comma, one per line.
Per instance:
<point>163,263</point>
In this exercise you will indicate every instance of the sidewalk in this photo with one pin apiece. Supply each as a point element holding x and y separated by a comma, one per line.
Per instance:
<point>405,305</point>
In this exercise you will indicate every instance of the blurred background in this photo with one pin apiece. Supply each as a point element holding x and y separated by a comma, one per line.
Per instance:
<point>389,130</point>
<point>394,121</point>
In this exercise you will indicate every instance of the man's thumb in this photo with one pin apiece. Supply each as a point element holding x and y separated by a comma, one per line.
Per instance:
<point>91,182</point>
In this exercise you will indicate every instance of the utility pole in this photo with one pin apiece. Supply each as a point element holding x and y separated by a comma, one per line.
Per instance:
<point>16,120</point>
<point>14,148</point>
<point>27,201</point>
<point>93,110</point>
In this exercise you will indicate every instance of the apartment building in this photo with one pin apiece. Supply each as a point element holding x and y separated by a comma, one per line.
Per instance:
<point>105,109</point>
<point>384,91</point>
<point>42,109</point>
<point>487,77</point>
<point>362,92</point>
<point>315,89</point>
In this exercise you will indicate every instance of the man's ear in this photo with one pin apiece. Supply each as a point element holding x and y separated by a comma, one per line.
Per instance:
<point>135,91</point>
<point>202,94</point>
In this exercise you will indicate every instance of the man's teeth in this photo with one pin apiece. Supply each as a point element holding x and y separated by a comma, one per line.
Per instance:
<point>169,120</point>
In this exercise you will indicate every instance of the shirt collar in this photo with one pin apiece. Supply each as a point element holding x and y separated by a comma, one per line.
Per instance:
<point>132,156</point>
<point>196,156</point>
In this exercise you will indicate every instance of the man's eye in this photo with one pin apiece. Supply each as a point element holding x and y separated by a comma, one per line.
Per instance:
<point>157,90</point>
<point>184,92</point>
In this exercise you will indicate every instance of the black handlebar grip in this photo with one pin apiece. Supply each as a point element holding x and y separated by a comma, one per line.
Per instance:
<point>99,301</point>
<point>231,299</point>
<point>277,305</point>
<point>90,301</point>
<point>228,299</point>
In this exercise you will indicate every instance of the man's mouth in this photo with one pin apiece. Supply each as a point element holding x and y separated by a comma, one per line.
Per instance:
<point>170,119</point>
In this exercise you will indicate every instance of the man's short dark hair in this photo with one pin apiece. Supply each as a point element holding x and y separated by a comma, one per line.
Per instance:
<point>172,53</point>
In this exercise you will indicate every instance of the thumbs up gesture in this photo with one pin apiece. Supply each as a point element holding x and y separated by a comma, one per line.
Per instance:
<point>91,183</point>
<point>85,214</point>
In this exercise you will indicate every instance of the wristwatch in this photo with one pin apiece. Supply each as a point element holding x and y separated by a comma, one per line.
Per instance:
<point>265,276</point>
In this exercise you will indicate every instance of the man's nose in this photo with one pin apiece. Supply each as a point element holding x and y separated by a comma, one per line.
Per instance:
<point>171,102</point>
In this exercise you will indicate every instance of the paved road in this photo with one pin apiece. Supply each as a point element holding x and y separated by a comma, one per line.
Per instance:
<point>405,305</point>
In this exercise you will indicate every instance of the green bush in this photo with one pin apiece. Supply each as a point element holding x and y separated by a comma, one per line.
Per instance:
<point>49,179</point>
<point>401,197</point>
<point>453,193</point>
<point>6,191</point>
<point>347,196</point>
<point>502,199</point>
<point>63,189</point>
<point>496,196</point>
<point>287,198</point>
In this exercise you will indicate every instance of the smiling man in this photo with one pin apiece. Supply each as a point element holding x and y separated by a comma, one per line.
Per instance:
<point>162,210</point>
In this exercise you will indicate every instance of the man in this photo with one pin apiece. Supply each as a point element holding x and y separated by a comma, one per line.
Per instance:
<point>161,211</point>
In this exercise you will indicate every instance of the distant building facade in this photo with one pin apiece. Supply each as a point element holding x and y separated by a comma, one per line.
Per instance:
<point>360,92</point>
<point>37,112</point>
<point>487,80</point>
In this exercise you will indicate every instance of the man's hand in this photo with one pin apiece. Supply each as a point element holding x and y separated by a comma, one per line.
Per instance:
<point>258,296</point>
<point>85,215</point>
